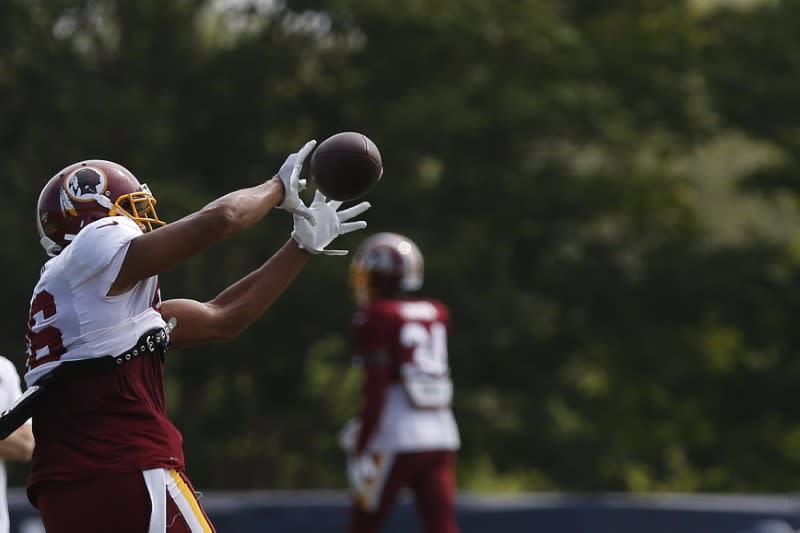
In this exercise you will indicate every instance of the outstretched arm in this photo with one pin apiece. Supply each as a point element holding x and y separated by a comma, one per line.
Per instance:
<point>165,247</point>
<point>227,315</point>
<point>162,249</point>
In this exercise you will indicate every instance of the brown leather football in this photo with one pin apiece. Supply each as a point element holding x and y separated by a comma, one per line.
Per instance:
<point>346,166</point>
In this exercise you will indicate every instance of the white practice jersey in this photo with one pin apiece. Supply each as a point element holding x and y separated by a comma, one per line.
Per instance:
<point>9,392</point>
<point>400,335</point>
<point>405,428</point>
<point>72,317</point>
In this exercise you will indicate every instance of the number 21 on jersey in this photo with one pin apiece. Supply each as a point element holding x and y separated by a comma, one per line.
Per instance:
<point>428,345</point>
<point>426,379</point>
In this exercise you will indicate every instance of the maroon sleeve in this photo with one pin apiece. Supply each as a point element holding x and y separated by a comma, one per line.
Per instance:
<point>444,316</point>
<point>376,380</point>
<point>373,349</point>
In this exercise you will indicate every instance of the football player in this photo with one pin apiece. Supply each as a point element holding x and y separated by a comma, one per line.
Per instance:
<point>18,446</point>
<point>107,458</point>
<point>406,435</point>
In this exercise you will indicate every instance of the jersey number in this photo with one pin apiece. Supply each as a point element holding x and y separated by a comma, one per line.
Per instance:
<point>429,346</point>
<point>45,344</point>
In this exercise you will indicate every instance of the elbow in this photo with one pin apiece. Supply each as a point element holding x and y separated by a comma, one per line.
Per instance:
<point>228,332</point>
<point>212,323</point>
<point>228,327</point>
<point>28,444</point>
<point>223,218</point>
<point>27,454</point>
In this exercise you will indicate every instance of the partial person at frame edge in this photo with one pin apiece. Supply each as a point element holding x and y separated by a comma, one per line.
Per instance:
<point>19,445</point>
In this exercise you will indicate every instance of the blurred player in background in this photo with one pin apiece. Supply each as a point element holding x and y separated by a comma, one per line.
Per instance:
<point>406,435</point>
<point>19,445</point>
<point>106,457</point>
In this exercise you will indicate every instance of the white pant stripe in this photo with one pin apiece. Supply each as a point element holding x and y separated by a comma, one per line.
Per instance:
<point>162,484</point>
<point>155,480</point>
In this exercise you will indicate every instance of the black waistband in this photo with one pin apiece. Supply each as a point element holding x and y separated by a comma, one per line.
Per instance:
<point>155,341</point>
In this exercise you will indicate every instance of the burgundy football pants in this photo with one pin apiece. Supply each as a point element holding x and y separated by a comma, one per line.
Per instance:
<point>120,503</point>
<point>431,478</point>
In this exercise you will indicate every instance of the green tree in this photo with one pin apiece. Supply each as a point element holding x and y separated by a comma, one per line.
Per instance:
<point>562,165</point>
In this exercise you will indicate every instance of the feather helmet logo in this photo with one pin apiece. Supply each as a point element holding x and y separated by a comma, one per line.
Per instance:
<point>86,184</point>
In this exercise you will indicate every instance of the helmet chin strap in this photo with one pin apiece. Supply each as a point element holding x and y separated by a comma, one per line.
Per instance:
<point>50,247</point>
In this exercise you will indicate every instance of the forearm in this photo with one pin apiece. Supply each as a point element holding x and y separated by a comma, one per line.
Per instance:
<point>227,315</point>
<point>157,251</point>
<point>245,207</point>
<point>19,445</point>
<point>244,301</point>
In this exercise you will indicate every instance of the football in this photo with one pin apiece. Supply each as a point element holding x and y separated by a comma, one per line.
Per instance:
<point>346,166</point>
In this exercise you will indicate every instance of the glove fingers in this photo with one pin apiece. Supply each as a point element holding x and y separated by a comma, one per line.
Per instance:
<point>347,227</point>
<point>319,197</point>
<point>301,184</point>
<point>290,160</point>
<point>334,204</point>
<point>350,212</point>
<point>304,151</point>
<point>305,213</point>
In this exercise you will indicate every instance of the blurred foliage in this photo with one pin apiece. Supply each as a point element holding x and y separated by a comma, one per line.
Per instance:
<point>605,194</point>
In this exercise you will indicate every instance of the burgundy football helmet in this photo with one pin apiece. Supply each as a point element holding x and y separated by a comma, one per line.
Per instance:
<point>385,265</point>
<point>87,191</point>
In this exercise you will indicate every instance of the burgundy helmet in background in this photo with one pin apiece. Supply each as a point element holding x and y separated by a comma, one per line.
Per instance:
<point>385,265</point>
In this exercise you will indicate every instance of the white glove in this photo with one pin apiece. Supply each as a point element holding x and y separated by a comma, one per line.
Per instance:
<point>289,174</point>
<point>348,435</point>
<point>330,223</point>
<point>362,473</point>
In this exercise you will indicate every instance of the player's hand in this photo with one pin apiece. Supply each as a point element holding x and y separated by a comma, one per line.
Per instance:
<point>289,175</point>
<point>348,435</point>
<point>330,223</point>
<point>362,473</point>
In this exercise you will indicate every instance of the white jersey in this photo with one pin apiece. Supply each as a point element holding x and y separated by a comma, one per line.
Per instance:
<point>9,392</point>
<point>72,317</point>
<point>405,428</point>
